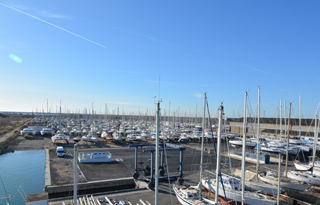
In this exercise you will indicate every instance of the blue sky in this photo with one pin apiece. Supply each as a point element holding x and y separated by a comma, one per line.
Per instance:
<point>114,52</point>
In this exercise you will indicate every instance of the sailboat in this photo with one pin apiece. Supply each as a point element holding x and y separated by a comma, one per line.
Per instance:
<point>234,189</point>
<point>310,177</point>
<point>60,136</point>
<point>306,167</point>
<point>192,195</point>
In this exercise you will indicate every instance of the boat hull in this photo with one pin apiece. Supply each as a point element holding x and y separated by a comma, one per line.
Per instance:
<point>235,195</point>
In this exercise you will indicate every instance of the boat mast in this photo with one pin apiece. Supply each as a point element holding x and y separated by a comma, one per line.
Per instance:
<point>218,154</point>
<point>285,118</point>
<point>243,164</point>
<point>60,118</point>
<point>157,157</point>
<point>279,166</point>
<point>280,119</point>
<point>202,141</point>
<point>300,117</point>
<point>258,133</point>
<point>75,174</point>
<point>287,156</point>
<point>315,140</point>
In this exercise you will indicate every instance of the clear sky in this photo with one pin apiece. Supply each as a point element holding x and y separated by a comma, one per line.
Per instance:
<point>107,51</point>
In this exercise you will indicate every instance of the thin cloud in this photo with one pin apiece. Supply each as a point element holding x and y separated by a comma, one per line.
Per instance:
<point>42,13</point>
<point>53,25</point>
<point>198,95</point>
<point>46,14</point>
<point>149,37</point>
<point>262,71</point>
<point>19,6</point>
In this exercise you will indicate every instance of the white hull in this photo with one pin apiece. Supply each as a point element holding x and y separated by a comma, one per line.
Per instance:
<point>56,137</point>
<point>46,132</point>
<point>251,198</point>
<point>181,196</point>
<point>94,139</point>
<point>302,167</point>
<point>288,185</point>
<point>268,189</point>
<point>304,177</point>
<point>95,157</point>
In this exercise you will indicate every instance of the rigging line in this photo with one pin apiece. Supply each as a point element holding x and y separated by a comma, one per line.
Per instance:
<point>53,25</point>
<point>5,191</point>
<point>167,165</point>
<point>215,150</point>
<point>250,111</point>
<point>230,164</point>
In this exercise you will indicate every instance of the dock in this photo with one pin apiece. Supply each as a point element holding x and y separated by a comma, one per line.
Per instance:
<point>115,180</point>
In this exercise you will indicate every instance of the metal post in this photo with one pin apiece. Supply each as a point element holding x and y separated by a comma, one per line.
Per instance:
<point>286,171</point>
<point>243,164</point>
<point>152,166</point>
<point>218,154</point>
<point>136,159</point>
<point>75,178</point>
<point>161,157</point>
<point>181,162</point>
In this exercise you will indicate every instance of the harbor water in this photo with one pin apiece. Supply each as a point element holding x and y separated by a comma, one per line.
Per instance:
<point>21,171</point>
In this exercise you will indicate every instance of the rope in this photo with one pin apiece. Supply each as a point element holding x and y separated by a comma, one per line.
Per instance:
<point>225,130</point>
<point>167,165</point>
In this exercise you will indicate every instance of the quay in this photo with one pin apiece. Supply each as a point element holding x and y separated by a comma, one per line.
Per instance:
<point>115,180</point>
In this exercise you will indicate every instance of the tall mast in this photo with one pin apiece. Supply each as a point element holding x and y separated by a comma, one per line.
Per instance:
<point>258,133</point>
<point>300,117</point>
<point>157,156</point>
<point>75,175</point>
<point>287,156</point>
<point>279,168</point>
<point>285,117</point>
<point>60,118</point>
<point>202,140</point>
<point>218,154</point>
<point>92,112</point>
<point>243,164</point>
<point>280,119</point>
<point>315,139</point>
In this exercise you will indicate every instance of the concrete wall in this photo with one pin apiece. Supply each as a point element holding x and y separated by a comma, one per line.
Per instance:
<point>40,202</point>
<point>90,185</point>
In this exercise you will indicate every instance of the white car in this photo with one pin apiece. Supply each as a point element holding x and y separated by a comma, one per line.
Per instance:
<point>60,151</point>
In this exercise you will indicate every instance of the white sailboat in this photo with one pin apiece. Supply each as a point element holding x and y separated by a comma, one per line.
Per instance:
<point>59,135</point>
<point>234,189</point>
<point>271,177</point>
<point>192,195</point>
<point>310,177</point>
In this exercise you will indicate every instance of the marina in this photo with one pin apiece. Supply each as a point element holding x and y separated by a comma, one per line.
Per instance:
<point>121,170</point>
<point>108,154</point>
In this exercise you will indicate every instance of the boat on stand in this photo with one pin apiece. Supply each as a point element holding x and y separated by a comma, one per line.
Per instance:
<point>192,195</point>
<point>233,188</point>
